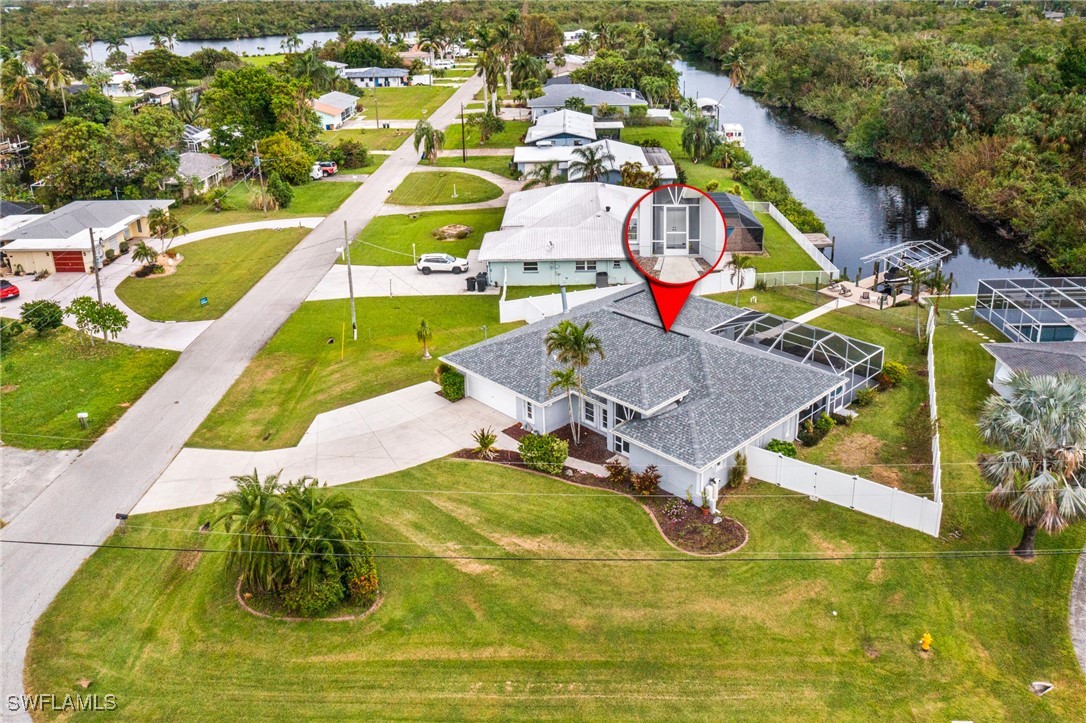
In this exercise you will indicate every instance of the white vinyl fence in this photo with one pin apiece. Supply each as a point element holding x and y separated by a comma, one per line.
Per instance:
<point>796,278</point>
<point>819,258</point>
<point>933,408</point>
<point>851,491</point>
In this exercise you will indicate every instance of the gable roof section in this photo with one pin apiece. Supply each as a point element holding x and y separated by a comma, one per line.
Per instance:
<point>199,165</point>
<point>339,101</point>
<point>566,121</point>
<point>555,96</point>
<point>1050,357</point>
<point>68,225</point>
<point>732,392</point>
<point>374,72</point>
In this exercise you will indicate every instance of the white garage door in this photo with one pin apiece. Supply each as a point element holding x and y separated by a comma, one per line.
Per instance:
<point>493,395</point>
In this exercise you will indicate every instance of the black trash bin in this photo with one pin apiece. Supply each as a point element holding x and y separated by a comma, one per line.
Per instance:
<point>480,282</point>
<point>471,283</point>
<point>601,280</point>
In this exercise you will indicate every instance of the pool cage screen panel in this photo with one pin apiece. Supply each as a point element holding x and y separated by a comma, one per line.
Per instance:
<point>858,361</point>
<point>1034,310</point>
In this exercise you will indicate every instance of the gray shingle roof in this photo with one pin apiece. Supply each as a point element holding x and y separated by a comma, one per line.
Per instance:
<point>78,216</point>
<point>1050,357</point>
<point>736,392</point>
<point>199,165</point>
<point>555,96</point>
<point>375,72</point>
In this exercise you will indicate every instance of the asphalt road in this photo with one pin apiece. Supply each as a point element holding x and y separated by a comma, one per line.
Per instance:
<point>112,476</point>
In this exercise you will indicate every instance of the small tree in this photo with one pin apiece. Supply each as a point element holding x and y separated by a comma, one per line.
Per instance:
<point>424,334</point>
<point>488,124</point>
<point>566,380</point>
<point>163,225</point>
<point>485,441</point>
<point>543,175</point>
<point>145,255</point>
<point>280,190</point>
<point>42,315</point>
<point>739,264</point>
<point>429,140</point>
<point>634,175</point>
<point>576,104</point>
<point>93,318</point>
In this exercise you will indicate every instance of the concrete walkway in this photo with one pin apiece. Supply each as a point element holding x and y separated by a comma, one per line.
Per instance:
<point>679,270</point>
<point>379,436</point>
<point>26,473</point>
<point>115,473</point>
<point>172,335</point>
<point>476,153</point>
<point>819,311</point>
<point>375,281</point>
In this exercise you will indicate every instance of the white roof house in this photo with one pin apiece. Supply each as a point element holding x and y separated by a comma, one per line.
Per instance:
<point>567,221</point>
<point>555,96</point>
<point>526,158</point>
<point>562,127</point>
<point>121,84</point>
<point>67,227</point>
<point>340,68</point>
<point>334,108</point>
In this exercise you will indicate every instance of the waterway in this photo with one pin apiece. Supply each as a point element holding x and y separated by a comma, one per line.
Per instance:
<point>866,205</point>
<point>268,45</point>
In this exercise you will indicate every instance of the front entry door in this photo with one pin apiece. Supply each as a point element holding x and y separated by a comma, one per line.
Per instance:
<point>676,240</point>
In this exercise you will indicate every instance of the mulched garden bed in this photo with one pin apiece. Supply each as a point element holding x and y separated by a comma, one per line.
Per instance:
<point>682,524</point>
<point>593,446</point>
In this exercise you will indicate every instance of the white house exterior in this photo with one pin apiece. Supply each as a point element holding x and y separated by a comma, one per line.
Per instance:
<point>528,158</point>
<point>555,96</point>
<point>562,128</point>
<point>121,84</point>
<point>60,241</point>
<point>200,172</point>
<point>378,77</point>
<point>340,68</point>
<point>1053,357</point>
<point>677,221</point>
<point>334,109</point>
<point>686,401</point>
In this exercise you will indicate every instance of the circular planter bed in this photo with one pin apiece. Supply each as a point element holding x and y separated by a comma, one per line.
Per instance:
<point>264,605</point>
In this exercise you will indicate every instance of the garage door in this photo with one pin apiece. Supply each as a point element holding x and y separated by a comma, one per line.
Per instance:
<point>68,261</point>
<point>492,395</point>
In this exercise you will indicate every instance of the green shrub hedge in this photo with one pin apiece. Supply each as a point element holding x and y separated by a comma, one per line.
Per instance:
<point>543,452</point>
<point>452,385</point>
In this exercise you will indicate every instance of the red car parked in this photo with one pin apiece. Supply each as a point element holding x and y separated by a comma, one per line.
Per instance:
<point>8,290</point>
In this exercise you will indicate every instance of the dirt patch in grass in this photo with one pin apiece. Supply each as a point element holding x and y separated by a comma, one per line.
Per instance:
<point>861,452</point>
<point>593,446</point>
<point>682,524</point>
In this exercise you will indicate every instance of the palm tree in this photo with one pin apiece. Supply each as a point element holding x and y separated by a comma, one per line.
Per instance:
<point>654,87</point>
<point>571,344</point>
<point>590,163</point>
<point>56,76</point>
<point>484,46</point>
<point>1038,477</point>
<point>87,34</point>
<point>157,41</point>
<point>323,532</point>
<point>566,380</point>
<point>144,254</point>
<point>425,334</point>
<point>291,43</point>
<point>699,136</point>
<point>939,284</point>
<point>507,42</point>
<point>309,67</point>
<point>736,66</point>
<point>642,35</point>
<point>527,67</point>
<point>255,519</point>
<point>162,225</point>
<point>169,36</point>
<point>18,84</point>
<point>187,107</point>
<point>738,265</point>
<point>429,139</point>
<point>114,41</point>
<point>543,175</point>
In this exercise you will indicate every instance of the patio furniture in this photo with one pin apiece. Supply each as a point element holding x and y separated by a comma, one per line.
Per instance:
<point>865,296</point>
<point>846,291</point>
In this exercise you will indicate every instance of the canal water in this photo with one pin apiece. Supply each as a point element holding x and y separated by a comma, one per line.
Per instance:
<point>269,45</point>
<point>866,205</point>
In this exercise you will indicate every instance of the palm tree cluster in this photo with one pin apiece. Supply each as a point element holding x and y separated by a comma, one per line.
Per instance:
<point>428,139</point>
<point>572,345</point>
<point>591,163</point>
<point>1038,477</point>
<point>298,541</point>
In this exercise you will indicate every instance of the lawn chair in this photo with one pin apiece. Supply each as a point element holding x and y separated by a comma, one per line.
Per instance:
<point>846,291</point>
<point>865,296</point>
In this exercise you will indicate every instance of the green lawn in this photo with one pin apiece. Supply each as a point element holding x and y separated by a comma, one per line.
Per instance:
<point>771,301</point>
<point>410,103</point>
<point>375,139</point>
<point>48,380</point>
<point>262,61</point>
<point>317,198</point>
<point>494,164</point>
<point>387,240</point>
<point>510,137</point>
<point>524,292</point>
<point>222,269</point>
<point>782,252</point>
<point>424,188</point>
<point>299,375</point>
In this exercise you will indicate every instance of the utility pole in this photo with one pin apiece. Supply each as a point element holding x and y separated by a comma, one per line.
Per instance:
<point>260,173</point>
<point>97,279</point>
<point>376,108</point>
<point>463,141</point>
<point>350,282</point>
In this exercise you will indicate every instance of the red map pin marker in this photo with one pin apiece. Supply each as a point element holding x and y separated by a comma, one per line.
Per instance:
<point>675,236</point>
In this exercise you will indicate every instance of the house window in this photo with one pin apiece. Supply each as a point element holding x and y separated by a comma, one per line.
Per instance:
<point>589,412</point>
<point>605,422</point>
<point>586,266</point>
<point>616,264</point>
<point>632,229</point>
<point>529,411</point>
<point>531,267</point>
<point>623,414</point>
<point>622,446</point>
<point>139,225</point>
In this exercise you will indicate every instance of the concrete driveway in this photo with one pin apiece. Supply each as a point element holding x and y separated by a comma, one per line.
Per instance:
<point>371,281</point>
<point>392,432</point>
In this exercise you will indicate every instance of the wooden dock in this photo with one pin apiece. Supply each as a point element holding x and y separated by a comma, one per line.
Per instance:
<point>820,240</point>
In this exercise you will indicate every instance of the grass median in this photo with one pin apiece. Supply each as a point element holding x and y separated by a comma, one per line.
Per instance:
<point>436,188</point>
<point>388,240</point>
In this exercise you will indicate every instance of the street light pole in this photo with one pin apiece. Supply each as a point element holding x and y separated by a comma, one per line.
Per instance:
<point>463,141</point>
<point>350,282</point>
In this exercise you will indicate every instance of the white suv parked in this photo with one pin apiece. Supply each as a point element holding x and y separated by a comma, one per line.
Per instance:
<point>441,262</point>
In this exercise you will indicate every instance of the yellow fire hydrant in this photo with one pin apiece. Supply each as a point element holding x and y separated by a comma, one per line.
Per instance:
<point>925,642</point>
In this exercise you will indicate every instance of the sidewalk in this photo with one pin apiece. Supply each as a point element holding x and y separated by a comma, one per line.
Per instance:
<point>377,281</point>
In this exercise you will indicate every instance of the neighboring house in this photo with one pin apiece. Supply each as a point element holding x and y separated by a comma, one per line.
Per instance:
<point>200,172</point>
<point>377,77</point>
<point>334,108</point>
<point>527,158</point>
<point>562,128</point>
<point>60,240</point>
<point>724,380</point>
<point>555,96</point>
<point>195,138</point>
<point>631,93</point>
<point>573,36</point>
<point>19,208</point>
<point>340,68</point>
<point>121,84</point>
<point>746,235</point>
<point>159,95</point>
<point>1048,358</point>
<point>1034,310</point>
<point>563,234</point>
<point>733,133</point>
<point>1054,16</point>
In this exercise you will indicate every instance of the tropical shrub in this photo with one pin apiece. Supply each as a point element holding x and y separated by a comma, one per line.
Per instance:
<point>894,373</point>
<point>648,481</point>
<point>42,315</point>
<point>619,474</point>
<point>737,475</point>
<point>315,600</point>
<point>362,584</point>
<point>452,385</point>
<point>280,190</point>
<point>123,246</point>
<point>780,446</point>
<point>543,452</point>
<point>485,439</point>
<point>866,396</point>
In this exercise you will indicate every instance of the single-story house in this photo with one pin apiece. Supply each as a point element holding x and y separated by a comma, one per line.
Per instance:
<point>200,172</point>
<point>60,240</point>
<point>340,68</point>
<point>746,235</point>
<point>733,133</point>
<point>562,128</point>
<point>334,108</point>
<point>686,401</point>
<point>573,36</point>
<point>1051,357</point>
<point>195,138</point>
<point>19,208</point>
<point>563,234</point>
<point>555,96</point>
<point>121,84</point>
<point>159,95</point>
<point>378,77</point>
<point>527,158</point>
